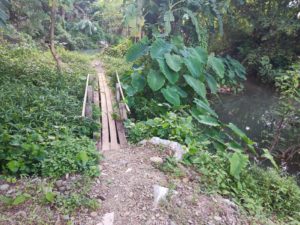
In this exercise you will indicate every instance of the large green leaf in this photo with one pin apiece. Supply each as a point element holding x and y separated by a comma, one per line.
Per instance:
<point>238,162</point>
<point>242,135</point>
<point>195,22</point>
<point>168,18</point>
<point>20,199</point>
<point>197,85</point>
<point>216,65</point>
<point>4,11</point>
<point>82,157</point>
<point>171,95</point>
<point>137,50</point>
<point>159,48</point>
<point>207,120</point>
<point>268,155</point>
<point>155,80</point>
<point>173,61</point>
<point>138,81</point>
<point>13,166</point>
<point>170,74</point>
<point>181,92</point>
<point>201,104</point>
<point>212,83</point>
<point>202,53</point>
<point>194,59</point>
<point>234,68</point>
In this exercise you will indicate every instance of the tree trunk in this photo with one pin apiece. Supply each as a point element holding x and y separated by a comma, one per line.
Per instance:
<point>52,28</point>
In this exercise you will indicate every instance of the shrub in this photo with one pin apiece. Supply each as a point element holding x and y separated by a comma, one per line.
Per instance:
<point>71,155</point>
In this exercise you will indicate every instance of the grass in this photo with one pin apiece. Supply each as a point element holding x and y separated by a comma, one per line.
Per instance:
<point>40,114</point>
<point>37,209</point>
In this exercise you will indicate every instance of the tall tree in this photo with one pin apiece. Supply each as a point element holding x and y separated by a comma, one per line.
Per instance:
<point>53,5</point>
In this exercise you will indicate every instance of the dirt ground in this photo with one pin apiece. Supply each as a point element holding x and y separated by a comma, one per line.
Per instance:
<point>126,187</point>
<point>125,193</point>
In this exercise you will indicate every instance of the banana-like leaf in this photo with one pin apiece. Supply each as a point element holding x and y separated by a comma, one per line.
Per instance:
<point>170,74</point>
<point>212,83</point>
<point>216,65</point>
<point>206,120</point>
<point>181,92</point>
<point>137,50</point>
<point>238,162</point>
<point>197,85</point>
<point>159,48</point>
<point>242,135</point>
<point>171,95</point>
<point>155,80</point>
<point>195,22</point>
<point>194,59</point>
<point>267,155</point>
<point>173,61</point>
<point>201,104</point>
<point>138,81</point>
<point>168,18</point>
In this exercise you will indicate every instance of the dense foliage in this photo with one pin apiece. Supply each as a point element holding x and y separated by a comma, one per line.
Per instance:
<point>40,124</point>
<point>263,34</point>
<point>177,54</point>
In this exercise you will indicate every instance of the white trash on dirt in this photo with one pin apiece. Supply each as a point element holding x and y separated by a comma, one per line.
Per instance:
<point>174,146</point>
<point>108,219</point>
<point>160,194</point>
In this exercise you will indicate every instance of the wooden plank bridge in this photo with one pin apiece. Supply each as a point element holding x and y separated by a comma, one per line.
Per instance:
<point>113,110</point>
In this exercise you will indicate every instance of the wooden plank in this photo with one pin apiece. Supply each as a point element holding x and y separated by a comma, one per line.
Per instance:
<point>90,94</point>
<point>104,117</point>
<point>121,134</point>
<point>112,125</point>
<point>123,112</point>
<point>97,135</point>
<point>88,110</point>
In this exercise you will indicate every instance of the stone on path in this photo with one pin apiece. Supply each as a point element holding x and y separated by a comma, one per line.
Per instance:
<point>108,219</point>
<point>4,187</point>
<point>160,194</point>
<point>156,160</point>
<point>174,146</point>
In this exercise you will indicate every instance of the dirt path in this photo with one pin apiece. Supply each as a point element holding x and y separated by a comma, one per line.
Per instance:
<point>126,191</point>
<point>127,185</point>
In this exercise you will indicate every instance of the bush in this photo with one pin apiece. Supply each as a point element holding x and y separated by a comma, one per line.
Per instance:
<point>71,155</point>
<point>258,190</point>
<point>119,50</point>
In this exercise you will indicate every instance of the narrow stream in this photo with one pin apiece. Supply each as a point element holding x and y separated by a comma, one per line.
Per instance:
<point>253,111</point>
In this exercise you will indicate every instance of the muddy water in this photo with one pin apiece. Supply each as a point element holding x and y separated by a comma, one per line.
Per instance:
<point>253,112</point>
<point>250,110</point>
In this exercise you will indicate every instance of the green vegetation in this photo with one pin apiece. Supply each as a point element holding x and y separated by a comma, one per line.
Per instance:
<point>173,57</point>
<point>41,128</point>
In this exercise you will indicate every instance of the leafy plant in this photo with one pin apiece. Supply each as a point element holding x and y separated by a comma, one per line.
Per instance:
<point>170,65</point>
